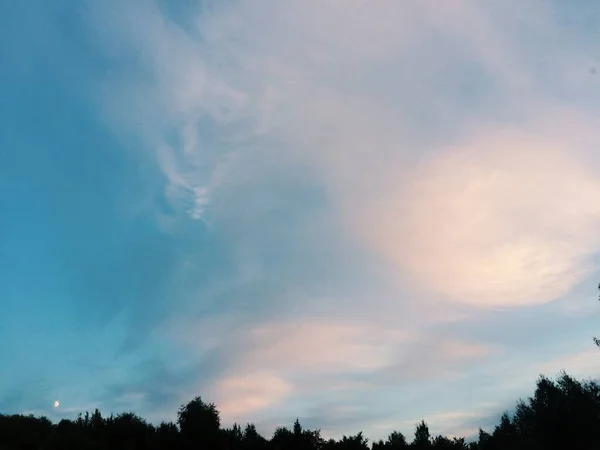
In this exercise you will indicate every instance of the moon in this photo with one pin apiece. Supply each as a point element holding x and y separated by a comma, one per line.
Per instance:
<point>56,403</point>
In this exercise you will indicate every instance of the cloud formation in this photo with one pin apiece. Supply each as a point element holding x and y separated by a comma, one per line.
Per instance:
<point>368,172</point>
<point>234,99</point>
<point>506,218</point>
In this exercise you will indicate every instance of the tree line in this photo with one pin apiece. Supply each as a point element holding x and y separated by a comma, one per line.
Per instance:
<point>562,414</point>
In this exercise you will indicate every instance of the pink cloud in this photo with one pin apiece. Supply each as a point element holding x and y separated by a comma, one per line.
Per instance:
<point>582,363</point>
<point>239,396</point>
<point>505,218</point>
<point>322,346</point>
<point>455,350</point>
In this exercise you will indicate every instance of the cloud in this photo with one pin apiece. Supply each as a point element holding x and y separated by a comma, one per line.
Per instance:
<point>435,356</point>
<point>366,175</point>
<point>261,370</point>
<point>239,397</point>
<point>478,216</point>
<point>269,362</point>
<point>580,364</point>
<point>333,366</point>
<point>322,346</point>
<point>451,423</point>
<point>507,218</point>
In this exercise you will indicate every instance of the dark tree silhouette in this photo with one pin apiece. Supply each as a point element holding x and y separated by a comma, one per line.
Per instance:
<point>356,442</point>
<point>296,439</point>
<point>444,443</point>
<point>422,437</point>
<point>199,423</point>
<point>562,414</point>
<point>232,438</point>
<point>283,438</point>
<point>167,435</point>
<point>252,439</point>
<point>395,441</point>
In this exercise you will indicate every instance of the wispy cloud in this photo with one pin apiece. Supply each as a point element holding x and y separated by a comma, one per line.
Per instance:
<point>241,396</point>
<point>368,172</point>
<point>480,210</point>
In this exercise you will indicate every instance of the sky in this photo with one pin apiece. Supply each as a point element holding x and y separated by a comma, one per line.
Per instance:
<point>356,213</point>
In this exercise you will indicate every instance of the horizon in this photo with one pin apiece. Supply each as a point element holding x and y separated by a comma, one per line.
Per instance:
<point>357,214</point>
<point>566,393</point>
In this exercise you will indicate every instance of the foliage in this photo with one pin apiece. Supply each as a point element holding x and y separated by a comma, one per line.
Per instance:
<point>200,424</point>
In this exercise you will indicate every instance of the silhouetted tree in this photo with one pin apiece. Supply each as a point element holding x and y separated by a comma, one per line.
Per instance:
<point>283,438</point>
<point>232,438</point>
<point>504,434</point>
<point>167,436</point>
<point>297,439</point>
<point>422,438</point>
<point>444,443</point>
<point>252,439</point>
<point>199,423</point>
<point>129,431</point>
<point>485,440</point>
<point>395,441</point>
<point>24,432</point>
<point>562,414</point>
<point>356,442</point>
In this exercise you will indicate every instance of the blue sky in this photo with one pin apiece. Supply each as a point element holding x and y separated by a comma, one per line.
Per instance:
<point>357,214</point>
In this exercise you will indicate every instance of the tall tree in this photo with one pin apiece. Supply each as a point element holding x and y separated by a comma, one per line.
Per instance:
<point>396,441</point>
<point>356,442</point>
<point>167,435</point>
<point>200,424</point>
<point>422,438</point>
<point>283,438</point>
